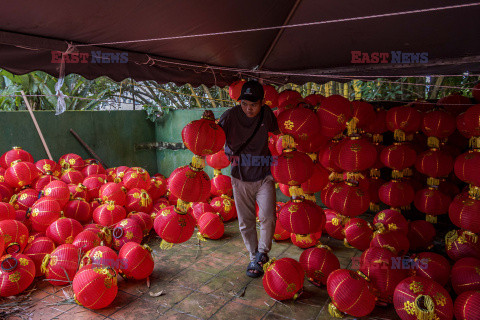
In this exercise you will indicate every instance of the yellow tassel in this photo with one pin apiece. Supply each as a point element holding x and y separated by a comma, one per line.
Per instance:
<point>433,142</point>
<point>288,143</point>
<point>164,245</point>
<point>380,227</point>
<point>323,246</point>
<point>198,162</point>
<point>361,274</point>
<point>312,156</point>
<point>374,173</point>
<point>374,207</point>
<point>45,262</point>
<point>407,172</point>
<point>310,197</point>
<point>450,238</point>
<point>296,295</point>
<point>473,237</point>
<point>333,310</point>
<point>182,206</point>
<point>425,308</point>
<point>107,236</point>
<point>474,142</point>
<point>13,199</point>
<point>355,176</point>
<point>217,172</point>
<point>144,199</point>
<point>399,135</point>
<point>147,247</point>
<point>76,301</point>
<point>345,242</point>
<point>433,182</point>
<point>397,174</point>
<point>406,208</point>
<point>474,192</point>
<point>276,185</point>
<point>200,237</point>
<point>352,126</point>
<point>377,138</point>
<point>335,176</point>
<point>269,264</point>
<point>296,191</point>
<point>431,219</point>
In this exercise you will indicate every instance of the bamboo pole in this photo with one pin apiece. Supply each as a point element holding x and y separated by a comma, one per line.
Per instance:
<point>209,95</point>
<point>195,95</point>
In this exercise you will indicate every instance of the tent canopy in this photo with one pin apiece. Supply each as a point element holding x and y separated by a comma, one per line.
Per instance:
<point>31,32</point>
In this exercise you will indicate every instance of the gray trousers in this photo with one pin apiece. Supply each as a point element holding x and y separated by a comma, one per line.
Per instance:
<point>245,195</point>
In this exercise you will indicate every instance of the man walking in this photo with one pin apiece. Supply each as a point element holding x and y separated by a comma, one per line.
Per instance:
<point>246,128</point>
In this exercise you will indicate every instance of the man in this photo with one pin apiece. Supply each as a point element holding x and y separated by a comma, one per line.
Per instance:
<point>246,127</point>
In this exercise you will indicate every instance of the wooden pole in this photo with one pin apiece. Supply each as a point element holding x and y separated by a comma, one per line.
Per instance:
<point>36,125</point>
<point>86,146</point>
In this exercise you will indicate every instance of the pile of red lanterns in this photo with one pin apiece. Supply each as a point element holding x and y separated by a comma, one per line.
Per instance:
<point>429,177</point>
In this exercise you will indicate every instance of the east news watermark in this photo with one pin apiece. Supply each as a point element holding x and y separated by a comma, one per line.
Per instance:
<point>89,57</point>
<point>398,57</point>
<point>395,263</point>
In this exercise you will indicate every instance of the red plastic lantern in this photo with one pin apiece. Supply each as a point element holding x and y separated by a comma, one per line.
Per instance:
<point>305,241</point>
<point>17,272</point>
<point>86,240</point>
<point>137,260</point>
<point>93,183</point>
<point>95,287</point>
<point>292,168</point>
<point>280,232</point>
<point>403,120</point>
<point>363,113</point>
<point>158,187</point>
<point>127,230</point>
<point>113,192</point>
<point>93,169</point>
<point>6,192</point>
<point>421,298</point>
<point>439,125</point>
<point>204,136</point>
<point>143,220</point>
<point>350,293</point>
<point>301,217</point>
<point>42,181</point>
<point>466,275</point>
<point>271,96</point>
<point>432,266</point>
<point>358,233</point>
<point>396,193</point>
<point>317,181</point>
<point>455,103</point>
<point>283,278</point>
<point>64,230</point>
<point>58,190</point>
<point>420,235</point>
<point>356,154</point>
<point>174,226</point>
<point>318,263</point>
<point>395,241</point>
<point>200,208</point>
<point>461,244</point>
<point>221,185</point>
<point>235,89</point>
<point>61,265</point>
<point>7,211</point>
<point>218,160</point>
<point>47,166</point>
<point>37,249</point>
<point>391,220</point>
<point>333,113</point>
<point>44,212</point>
<point>210,226</point>
<point>466,167</point>
<point>109,214</point>
<point>71,160</point>
<point>314,100</point>
<point>286,95</point>
<point>24,199</point>
<point>72,176</point>
<point>432,202</point>
<point>21,174</point>
<point>334,224</point>
<point>136,178</point>
<point>434,163</point>
<point>101,256</point>
<point>225,206</point>
<point>104,233</point>
<point>79,210</point>
<point>189,184</point>
<point>15,235</point>
<point>16,154</point>
<point>398,156</point>
<point>349,200</point>
<point>138,200</point>
<point>301,123</point>
<point>466,304</point>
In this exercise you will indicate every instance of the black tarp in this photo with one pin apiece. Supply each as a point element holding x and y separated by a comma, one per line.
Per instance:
<point>31,30</point>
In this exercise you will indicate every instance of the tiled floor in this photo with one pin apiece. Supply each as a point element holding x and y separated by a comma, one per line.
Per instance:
<point>198,282</point>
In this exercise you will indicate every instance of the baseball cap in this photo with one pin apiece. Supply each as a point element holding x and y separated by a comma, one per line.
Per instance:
<point>252,91</point>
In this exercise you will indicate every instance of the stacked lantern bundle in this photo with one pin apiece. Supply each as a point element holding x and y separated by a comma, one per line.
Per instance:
<point>56,204</point>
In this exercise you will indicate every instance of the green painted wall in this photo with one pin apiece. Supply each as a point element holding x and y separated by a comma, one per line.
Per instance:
<point>111,134</point>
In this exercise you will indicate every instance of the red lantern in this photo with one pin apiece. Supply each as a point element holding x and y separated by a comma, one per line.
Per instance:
<point>6,192</point>
<point>398,156</point>
<point>476,92</point>
<point>17,272</point>
<point>391,220</point>
<point>58,190</point>
<point>200,208</point>
<point>334,224</point>
<point>37,249</point>
<point>395,241</point>
<point>377,126</point>
<point>71,161</point>
<point>349,200</point>
<point>15,235</point>
<point>420,235</point>
<point>109,214</point>
<point>301,123</point>
<point>93,183</point>
<point>42,181</point>
<point>363,113</point>
<point>159,205</point>
<point>373,187</point>
<point>158,187</point>
<point>174,226</point>
<point>113,192</point>
<point>460,244</point>
<point>358,233</point>
<point>225,206</point>
<point>465,275</point>
<point>125,231</point>
<point>454,103</point>
<point>16,154</point>
<point>403,120</point>
<point>138,200</point>
<point>93,169</point>
<point>317,181</point>
<point>396,193</point>
<point>432,266</point>
<point>72,176</point>
<point>24,199</point>
<point>47,166</point>
<point>44,212</point>
<point>314,100</point>
<point>104,233</point>
<point>328,156</point>
<point>137,260</point>
<point>356,154</point>
<point>235,89</point>
<point>143,220</point>
<point>466,304</point>
<point>439,125</point>
<point>350,293</point>
<point>7,211</point>
<point>280,232</point>
<point>78,191</point>
<point>61,265</point>
<point>333,113</point>
<point>79,210</point>
<point>204,136</point>
<point>466,167</point>
<point>432,202</point>
<point>221,185</point>
<point>434,163</point>
<point>189,184</point>
<point>64,230</point>
<point>271,96</point>
<point>305,241</point>
<point>210,226</point>
<point>86,240</point>
<point>283,278</point>
<point>422,298</point>
<point>218,160</point>
<point>95,287</point>
<point>21,174</point>
<point>288,95</point>
<point>136,178</point>
<point>292,168</point>
<point>301,217</point>
<point>102,256</point>
<point>318,263</point>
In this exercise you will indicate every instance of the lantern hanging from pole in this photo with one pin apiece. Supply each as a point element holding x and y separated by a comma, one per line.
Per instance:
<point>356,154</point>
<point>333,113</point>
<point>438,125</point>
<point>402,121</point>
<point>301,123</point>
<point>293,168</point>
<point>396,194</point>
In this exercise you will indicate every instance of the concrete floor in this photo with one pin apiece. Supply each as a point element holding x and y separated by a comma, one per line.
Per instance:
<point>199,282</point>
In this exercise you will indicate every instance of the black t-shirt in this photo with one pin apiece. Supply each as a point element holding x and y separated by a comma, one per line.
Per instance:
<point>254,162</point>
